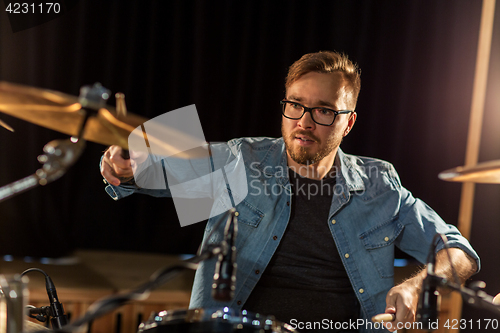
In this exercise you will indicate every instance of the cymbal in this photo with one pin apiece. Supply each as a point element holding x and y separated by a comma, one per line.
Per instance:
<point>58,112</point>
<point>486,172</point>
<point>64,113</point>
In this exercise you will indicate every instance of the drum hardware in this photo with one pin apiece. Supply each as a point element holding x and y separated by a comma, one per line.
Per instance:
<point>223,320</point>
<point>59,154</point>
<point>13,295</point>
<point>474,296</point>
<point>485,172</point>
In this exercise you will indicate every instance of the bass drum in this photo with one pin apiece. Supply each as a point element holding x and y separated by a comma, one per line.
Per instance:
<point>212,320</point>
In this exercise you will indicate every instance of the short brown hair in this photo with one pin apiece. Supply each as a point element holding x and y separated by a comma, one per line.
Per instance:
<point>327,62</point>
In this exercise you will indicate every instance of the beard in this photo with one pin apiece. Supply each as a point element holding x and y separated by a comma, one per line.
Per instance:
<point>303,155</point>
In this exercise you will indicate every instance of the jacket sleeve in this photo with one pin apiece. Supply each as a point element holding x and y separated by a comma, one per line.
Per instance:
<point>131,187</point>
<point>179,176</point>
<point>421,223</point>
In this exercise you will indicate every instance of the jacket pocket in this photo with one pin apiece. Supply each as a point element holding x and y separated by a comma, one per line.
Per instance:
<point>248,214</point>
<point>379,243</point>
<point>245,211</point>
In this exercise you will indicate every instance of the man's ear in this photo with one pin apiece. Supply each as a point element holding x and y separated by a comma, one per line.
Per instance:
<point>350,123</point>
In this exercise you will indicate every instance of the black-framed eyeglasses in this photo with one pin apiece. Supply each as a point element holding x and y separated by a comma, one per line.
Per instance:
<point>321,116</point>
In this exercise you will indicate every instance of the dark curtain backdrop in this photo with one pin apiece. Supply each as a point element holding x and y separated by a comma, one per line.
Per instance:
<point>230,58</point>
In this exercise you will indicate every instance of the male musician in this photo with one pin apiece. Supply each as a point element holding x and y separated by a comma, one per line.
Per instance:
<point>322,248</point>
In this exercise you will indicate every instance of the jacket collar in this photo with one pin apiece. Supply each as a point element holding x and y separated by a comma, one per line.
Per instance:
<point>350,173</point>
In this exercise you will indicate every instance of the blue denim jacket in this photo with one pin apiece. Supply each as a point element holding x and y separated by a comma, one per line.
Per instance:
<point>370,214</point>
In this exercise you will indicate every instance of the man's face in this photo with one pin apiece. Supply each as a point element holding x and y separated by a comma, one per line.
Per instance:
<point>306,141</point>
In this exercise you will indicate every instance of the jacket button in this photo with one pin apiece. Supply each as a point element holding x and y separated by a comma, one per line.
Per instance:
<point>239,302</point>
<point>288,203</point>
<point>257,272</point>
<point>275,237</point>
<point>333,221</point>
<point>386,239</point>
<point>361,290</point>
<point>346,255</point>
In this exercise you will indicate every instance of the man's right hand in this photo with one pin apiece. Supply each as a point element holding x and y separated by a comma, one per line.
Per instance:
<point>114,167</point>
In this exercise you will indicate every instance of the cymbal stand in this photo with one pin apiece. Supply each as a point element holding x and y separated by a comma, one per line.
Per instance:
<point>60,154</point>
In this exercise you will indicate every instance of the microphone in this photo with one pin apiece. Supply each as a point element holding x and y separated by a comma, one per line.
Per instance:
<point>224,283</point>
<point>55,310</point>
<point>429,305</point>
<point>429,302</point>
<point>58,319</point>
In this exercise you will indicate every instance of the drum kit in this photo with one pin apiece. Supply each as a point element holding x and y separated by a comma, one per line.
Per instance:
<point>88,118</point>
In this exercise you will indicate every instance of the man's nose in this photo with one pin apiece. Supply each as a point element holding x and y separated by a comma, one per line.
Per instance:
<point>306,121</point>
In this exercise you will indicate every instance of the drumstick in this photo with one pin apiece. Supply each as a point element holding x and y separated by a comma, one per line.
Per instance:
<point>384,317</point>
<point>121,111</point>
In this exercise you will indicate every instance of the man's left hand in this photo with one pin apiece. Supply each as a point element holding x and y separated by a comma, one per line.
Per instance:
<point>402,301</point>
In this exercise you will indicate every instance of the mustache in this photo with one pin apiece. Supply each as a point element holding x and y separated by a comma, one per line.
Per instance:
<point>306,133</point>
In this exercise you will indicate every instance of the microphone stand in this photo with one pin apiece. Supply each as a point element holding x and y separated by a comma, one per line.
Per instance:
<point>474,297</point>
<point>224,284</point>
